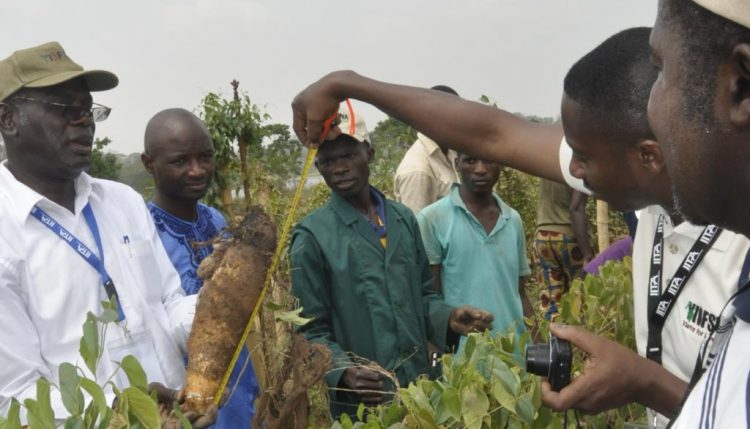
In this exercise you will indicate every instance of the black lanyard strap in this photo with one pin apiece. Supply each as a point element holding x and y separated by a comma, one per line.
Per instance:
<point>660,304</point>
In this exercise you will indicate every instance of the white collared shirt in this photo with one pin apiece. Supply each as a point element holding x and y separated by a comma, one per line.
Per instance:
<point>424,175</point>
<point>697,309</point>
<point>702,299</point>
<point>46,289</point>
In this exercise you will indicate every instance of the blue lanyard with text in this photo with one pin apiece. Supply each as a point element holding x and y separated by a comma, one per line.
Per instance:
<point>97,262</point>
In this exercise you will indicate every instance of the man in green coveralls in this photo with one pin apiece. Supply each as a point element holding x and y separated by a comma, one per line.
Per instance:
<point>360,271</point>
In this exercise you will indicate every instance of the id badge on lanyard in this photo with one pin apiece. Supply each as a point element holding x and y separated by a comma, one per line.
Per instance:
<point>96,262</point>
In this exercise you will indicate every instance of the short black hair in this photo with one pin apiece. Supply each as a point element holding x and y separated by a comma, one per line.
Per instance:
<point>613,82</point>
<point>706,39</point>
<point>445,88</point>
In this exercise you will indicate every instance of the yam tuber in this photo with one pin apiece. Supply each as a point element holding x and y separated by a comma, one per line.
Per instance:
<point>233,278</point>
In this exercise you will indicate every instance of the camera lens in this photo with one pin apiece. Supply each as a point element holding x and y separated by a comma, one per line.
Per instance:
<point>552,361</point>
<point>538,359</point>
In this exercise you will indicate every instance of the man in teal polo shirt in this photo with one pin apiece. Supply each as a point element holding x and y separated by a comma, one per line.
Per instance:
<point>359,270</point>
<point>476,247</point>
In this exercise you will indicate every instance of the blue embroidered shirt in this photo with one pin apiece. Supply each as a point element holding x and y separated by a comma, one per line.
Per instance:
<point>182,240</point>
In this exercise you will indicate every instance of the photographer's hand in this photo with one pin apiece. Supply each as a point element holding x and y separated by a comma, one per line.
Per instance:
<point>612,377</point>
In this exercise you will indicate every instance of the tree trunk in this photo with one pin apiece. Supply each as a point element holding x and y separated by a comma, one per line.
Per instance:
<point>226,196</point>
<point>242,146</point>
<point>602,224</point>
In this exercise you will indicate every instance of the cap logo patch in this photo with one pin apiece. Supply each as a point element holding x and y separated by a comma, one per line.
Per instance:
<point>53,56</point>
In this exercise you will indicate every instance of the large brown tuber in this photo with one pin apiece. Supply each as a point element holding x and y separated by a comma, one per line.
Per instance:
<point>233,278</point>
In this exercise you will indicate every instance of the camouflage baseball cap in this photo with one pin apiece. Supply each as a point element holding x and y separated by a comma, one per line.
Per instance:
<point>47,65</point>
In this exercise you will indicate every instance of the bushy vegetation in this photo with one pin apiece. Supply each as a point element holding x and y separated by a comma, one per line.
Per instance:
<point>486,386</point>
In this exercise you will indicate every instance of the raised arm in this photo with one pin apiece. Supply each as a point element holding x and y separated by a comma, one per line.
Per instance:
<point>462,125</point>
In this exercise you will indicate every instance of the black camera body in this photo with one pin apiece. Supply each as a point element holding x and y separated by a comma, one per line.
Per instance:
<point>553,360</point>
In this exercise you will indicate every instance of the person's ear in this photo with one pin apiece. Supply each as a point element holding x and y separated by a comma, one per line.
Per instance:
<point>148,163</point>
<point>650,156</point>
<point>8,120</point>
<point>370,154</point>
<point>739,113</point>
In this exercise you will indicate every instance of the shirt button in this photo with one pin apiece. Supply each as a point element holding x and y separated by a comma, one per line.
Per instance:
<point>673,248</point>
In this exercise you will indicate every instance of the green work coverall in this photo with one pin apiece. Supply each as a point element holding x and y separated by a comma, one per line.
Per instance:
<point>378,303</point>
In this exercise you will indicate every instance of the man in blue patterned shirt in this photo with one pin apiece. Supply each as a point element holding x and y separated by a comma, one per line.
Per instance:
<point>179,154</point>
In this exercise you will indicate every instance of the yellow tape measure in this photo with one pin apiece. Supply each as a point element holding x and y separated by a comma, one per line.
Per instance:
<point>280,246</point>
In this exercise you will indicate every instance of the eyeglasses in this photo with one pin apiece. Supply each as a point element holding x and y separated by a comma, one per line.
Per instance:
<point>71,112</point>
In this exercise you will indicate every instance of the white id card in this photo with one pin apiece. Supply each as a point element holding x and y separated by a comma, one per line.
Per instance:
<point>141,346</point>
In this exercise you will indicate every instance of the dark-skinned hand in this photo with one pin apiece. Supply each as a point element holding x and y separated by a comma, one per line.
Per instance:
<point>167,398</point>
<point>367,383</point>
<point>610,376</point>
<point>466,319</point>
<point>312,107</point>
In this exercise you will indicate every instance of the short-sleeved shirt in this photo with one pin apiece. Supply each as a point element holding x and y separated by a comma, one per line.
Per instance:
<point>477,269</point>
<point>697,308</point>
<point>424,175</point>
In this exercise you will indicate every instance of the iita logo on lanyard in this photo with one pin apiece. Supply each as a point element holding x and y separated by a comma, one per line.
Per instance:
<point>660,305</point>
<point>97,262</point>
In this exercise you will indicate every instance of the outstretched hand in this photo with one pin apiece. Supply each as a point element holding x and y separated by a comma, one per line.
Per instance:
<point>167,399</point>
<point>467,319</point>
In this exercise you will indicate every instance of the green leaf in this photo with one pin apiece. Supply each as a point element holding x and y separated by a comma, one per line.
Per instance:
<point>474,406</point>
<point>503,397</point>
<point>470,345</point>
<point>90,416</point>
<point>14,416</point>
<point>273,306</point>
<point>118,421</point>
<point>293,317</point>
<point>525,409</point>
<point>142,407</point>
<point>134,371</point>
<point>181,417</point>
<point>70,390</point>
<point>74,422</point>
<point>346,422</point>
<point>361,412</point>
<point>393,414</point>
<point>40,412</point>
<point>502,372</point>
<point>452,402</point>
<point>89,347</point>
<point>419,398</point>
<point>96,393</point>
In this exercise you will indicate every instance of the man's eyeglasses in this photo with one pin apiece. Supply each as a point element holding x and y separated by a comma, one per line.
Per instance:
<point>73,113</point>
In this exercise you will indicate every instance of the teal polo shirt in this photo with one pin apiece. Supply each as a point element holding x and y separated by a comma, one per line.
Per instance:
<point>478,269</point>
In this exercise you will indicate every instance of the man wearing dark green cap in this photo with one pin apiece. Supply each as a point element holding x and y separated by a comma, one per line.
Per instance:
<point>73,241</point>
